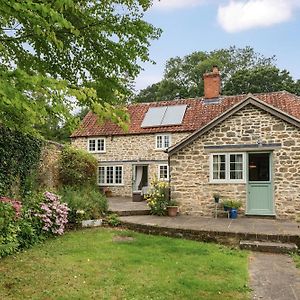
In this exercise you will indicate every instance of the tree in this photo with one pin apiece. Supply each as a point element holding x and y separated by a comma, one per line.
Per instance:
<point>260,80</point>
<point>183,76</point>
<point>64,53</point>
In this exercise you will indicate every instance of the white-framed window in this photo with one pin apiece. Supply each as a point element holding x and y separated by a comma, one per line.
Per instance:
<point>227,167</point>
<point>162,141</point>
<point>163,172</point>
<point>96,145</point>
<point>110,175</point>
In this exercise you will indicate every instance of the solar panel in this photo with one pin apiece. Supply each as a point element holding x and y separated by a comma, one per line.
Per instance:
<point>164,116</point>
<point>174,115</point>
<point>154,116</point>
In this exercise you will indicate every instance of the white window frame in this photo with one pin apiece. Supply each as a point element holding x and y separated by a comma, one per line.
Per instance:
<point>158,172</point>
<point>96,145</point>
<point>227,168</point>
<point>163,137</point>
<point>114,175</point>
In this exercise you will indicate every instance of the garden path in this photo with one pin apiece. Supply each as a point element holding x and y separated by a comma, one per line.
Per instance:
<point>274,277</point>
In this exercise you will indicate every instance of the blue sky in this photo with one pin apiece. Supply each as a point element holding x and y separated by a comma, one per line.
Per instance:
<point>271,27</point>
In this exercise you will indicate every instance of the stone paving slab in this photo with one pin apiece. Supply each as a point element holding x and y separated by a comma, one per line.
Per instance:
<point>273,277</point>
<point>242,225</point>
<point>221,230</point>
<point>116,204</point>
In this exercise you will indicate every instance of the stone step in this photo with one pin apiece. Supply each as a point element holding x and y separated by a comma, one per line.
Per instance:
<point>124,213</point>
<point>264,246</point>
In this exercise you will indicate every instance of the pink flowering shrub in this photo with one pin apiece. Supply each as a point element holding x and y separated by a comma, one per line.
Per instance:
<point>17,205</point>
<point>54,214</point>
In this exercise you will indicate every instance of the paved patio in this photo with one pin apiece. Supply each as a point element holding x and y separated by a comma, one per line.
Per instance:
<point>135,215</point>
<point>126,207</point>
<point>221,230</point>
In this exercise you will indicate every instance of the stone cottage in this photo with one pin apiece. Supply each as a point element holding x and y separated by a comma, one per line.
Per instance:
<point>129,160</point>
<point>244,147</point>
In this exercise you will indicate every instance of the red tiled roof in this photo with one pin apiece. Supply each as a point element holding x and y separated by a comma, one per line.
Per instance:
<point>198,114</point>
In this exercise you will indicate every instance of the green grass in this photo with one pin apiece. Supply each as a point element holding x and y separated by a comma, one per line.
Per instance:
<point>297,260</point>
<point>88,264</point>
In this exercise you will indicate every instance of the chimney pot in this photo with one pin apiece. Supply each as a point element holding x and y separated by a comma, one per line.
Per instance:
<point>212,83</point>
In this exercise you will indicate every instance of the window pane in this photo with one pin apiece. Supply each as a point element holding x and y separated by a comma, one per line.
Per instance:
<point>101,175</point>
<point>219,166</point>
<point>118,174</point>
<point>110,175</point>
<point>92,145</point>
<point>159,142</point>
<point>163,172</point>
<point>167,141</point>
<point>259,167</point>
<point>236,166</point>
<point>100,144</point>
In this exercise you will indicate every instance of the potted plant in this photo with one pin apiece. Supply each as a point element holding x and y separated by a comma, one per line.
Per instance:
<point>107,192</point>
<point>172,208</point>
<point>226,205</point>
<point>216,197</point>
<point>233,206</point>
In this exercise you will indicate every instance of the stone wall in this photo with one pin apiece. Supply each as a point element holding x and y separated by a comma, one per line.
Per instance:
<point>129,150</point>
<point>48,173</point>
<point>189,167</point>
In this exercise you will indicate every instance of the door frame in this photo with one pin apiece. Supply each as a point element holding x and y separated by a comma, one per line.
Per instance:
<point>271,170</point>
<point>134,175</point>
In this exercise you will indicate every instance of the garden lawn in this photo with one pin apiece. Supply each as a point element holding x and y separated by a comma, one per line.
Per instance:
<point>91,264</point>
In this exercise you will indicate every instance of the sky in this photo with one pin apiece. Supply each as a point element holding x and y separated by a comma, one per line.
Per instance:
<point>271,27</point>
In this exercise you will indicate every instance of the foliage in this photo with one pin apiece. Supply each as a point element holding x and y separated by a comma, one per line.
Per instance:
<point>84,203</point>
<point>8,229</point>
<point>260,80</point>
<point>231,203</point>
<point>242,71</point>
<point>173,203</point>
<point>19,157</point>
<point>16,205</point>
<point>53,215</point>
<point>149,267</point>
<point>77,167</point>
<point>58,54</point>
<point>297,259</point>
<point>158,197</point>
<point>113,220</point>
<point>19,226</point>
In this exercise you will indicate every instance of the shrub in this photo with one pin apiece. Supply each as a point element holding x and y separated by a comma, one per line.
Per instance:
<point>158,198</point>
<point>84,203</point>
<point>53,214</point>
<point>8,229</point>
<point>19,158</point>
<point>113,220</point>
<point>77,167</point>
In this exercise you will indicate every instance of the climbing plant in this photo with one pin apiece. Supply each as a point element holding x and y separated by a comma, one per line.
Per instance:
<point>19,157</point>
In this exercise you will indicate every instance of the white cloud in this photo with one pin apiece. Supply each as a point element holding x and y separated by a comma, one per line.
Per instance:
<point>246,14</point>
<point>175,4</point>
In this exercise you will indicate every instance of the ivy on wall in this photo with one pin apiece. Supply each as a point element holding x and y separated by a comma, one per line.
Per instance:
<point>19,158</point>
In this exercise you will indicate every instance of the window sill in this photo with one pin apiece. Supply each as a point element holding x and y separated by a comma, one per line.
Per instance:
<point>227,182</point>
<point>110,184</point>
<point>96,152</point>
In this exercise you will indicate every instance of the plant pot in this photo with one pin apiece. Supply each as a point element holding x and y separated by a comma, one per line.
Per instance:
<point>172,211</point>
<point>137,197</point>
<point>233,213</point>
<point>91,223</point>
<point>226,208</point>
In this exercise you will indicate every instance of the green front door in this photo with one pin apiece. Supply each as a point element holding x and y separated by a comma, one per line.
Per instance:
<point>260,188</point>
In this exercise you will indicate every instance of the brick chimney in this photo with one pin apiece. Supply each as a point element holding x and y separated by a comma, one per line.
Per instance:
<point>212,84</point>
